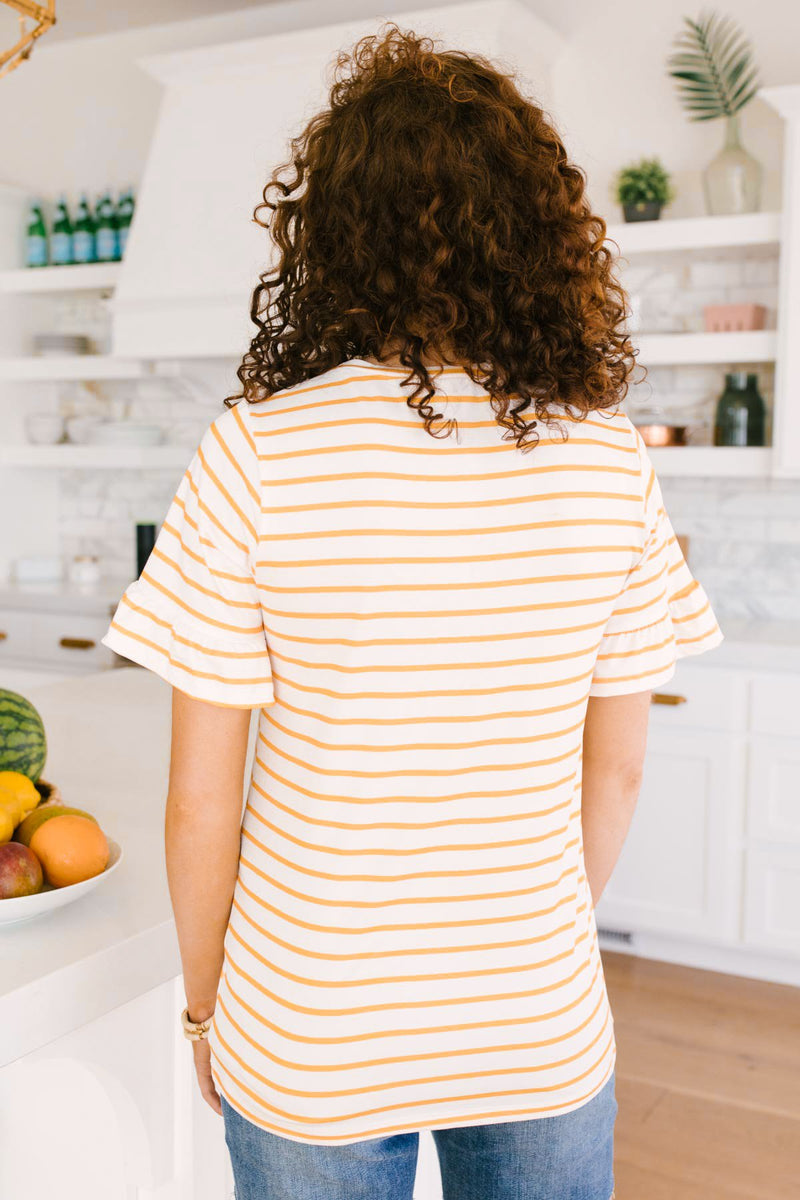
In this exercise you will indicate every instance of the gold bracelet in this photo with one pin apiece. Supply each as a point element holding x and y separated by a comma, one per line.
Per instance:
<point>195,1031</point>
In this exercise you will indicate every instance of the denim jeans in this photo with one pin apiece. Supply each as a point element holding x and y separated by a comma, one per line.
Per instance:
<point>563,1157</point>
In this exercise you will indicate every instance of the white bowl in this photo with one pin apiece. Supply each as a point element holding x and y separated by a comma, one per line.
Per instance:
<point>125,433</point>
<point>25,908</point>
<point>44,429</point>
<point>79,428</point>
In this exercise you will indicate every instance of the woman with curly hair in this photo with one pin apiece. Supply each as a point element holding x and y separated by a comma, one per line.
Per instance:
<point>425,543</point>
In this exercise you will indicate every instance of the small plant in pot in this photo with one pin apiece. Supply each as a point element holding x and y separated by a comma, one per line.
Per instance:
<point>643,188</point>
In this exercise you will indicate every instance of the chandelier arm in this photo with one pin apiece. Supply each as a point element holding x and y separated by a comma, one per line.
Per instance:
<point>36,12</point>
<point>21,50</point>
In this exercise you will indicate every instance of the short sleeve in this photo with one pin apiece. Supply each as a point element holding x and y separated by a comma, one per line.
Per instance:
<point>194,617</point>
<point>662,613</point>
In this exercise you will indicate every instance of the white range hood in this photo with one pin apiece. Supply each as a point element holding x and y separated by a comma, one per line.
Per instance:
<point>194,252</point>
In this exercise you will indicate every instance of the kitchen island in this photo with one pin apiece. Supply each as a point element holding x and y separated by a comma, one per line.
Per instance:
<point>93,1068</point>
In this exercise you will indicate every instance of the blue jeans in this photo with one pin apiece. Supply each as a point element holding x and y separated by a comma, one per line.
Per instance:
<point>566,1157</point>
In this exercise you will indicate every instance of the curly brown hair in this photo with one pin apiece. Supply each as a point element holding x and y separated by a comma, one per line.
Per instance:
<point>432,209</point>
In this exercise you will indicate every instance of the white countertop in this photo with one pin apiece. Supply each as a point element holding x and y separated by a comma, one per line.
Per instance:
<point>108,751</point>
<point>756,645</point>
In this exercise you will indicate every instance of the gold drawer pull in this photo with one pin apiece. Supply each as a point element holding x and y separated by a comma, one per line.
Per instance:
<point>77,643</point>
<point>667,698</point>
<point>3,635</point>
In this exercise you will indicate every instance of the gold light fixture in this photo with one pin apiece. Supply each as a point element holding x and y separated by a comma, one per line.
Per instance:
<point>43,14</point>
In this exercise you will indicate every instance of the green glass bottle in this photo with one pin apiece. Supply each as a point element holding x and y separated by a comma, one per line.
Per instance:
<point>36,237</point>
<point>83,235</point>
<point>124,218</point>
<point>740,418</point>
<point>106,242</point>
<point>61,236</point>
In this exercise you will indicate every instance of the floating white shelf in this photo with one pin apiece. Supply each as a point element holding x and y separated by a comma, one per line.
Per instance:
<point>752,462</point>
<point>102,457</point>
<point>695,233</point>
<point>78,278</point>
<point>751,346</point>
<point>72,366</point>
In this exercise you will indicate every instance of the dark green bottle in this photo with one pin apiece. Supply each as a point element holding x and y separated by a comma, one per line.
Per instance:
<point>106,242</point>
<point>740,419</point>
<point>83,248</point>
<point>124,218</point>
<point>61,235</point>
<point>36,240</point>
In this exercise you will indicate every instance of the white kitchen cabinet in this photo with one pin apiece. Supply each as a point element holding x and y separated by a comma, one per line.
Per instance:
<point>774,790</point>
<point>65,641</point>
<point>679,871</point>
<point>772,910</point>
<point>710,870</point>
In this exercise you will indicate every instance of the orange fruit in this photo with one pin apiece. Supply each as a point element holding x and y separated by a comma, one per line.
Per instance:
<point>70,849</point>
<point>45,812</point>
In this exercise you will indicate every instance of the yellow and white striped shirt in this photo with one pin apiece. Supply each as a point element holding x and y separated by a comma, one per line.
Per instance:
<point>421,622</point>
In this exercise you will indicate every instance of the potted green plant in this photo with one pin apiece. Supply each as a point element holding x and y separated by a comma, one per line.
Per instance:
<point>643,188</point>
<point>714,68</point>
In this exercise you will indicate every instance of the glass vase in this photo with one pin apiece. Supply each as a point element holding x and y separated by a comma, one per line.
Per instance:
<point>732,180</point>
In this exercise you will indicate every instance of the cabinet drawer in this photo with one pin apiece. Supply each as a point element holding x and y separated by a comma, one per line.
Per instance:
<point>71,639</point>
<point>776,705</point>
<point>701,698</point>
<point>16,637</point>
<point>772,898</point>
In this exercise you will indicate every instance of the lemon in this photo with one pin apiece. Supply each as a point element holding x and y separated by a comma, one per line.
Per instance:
<point>18,796</point>
<point>6,826</point>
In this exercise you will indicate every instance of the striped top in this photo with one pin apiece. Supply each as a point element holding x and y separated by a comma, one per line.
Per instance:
<point>421,622</point>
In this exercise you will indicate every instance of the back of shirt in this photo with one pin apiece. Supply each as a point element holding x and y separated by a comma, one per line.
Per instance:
<point>421,621</point>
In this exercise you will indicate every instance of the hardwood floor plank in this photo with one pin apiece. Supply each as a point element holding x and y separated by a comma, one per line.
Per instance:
<point>708,1084</point>
<point>707,1034</point>
<point>723,1148</point>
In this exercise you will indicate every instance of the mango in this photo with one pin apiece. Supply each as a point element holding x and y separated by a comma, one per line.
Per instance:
<point>20,871</point>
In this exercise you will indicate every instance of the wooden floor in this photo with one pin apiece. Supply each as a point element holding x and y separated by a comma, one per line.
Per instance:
<point>708,1084</point>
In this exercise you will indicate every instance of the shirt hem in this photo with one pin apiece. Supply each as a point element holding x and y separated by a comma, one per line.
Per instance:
<point>454,1121</point>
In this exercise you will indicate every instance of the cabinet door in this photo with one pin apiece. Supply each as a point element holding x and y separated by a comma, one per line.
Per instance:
<point>773,811</point>
<point>772,906</point>
<point>680,868</point>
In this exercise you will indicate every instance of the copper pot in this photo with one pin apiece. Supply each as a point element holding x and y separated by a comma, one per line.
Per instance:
<point>663,435</point>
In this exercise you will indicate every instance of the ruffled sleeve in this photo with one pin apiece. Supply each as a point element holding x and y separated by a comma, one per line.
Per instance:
<point>662,614</point>
<point>194,617</point>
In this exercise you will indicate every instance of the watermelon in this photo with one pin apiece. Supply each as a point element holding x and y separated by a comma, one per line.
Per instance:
<point>23,746</point>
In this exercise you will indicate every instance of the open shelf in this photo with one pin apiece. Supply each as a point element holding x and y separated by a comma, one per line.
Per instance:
<point>102,457</point>
<point>750,346</point>
<point>695,233</point>
<point>78,278</point>
<point>72,366</point>
<point>752,462</point>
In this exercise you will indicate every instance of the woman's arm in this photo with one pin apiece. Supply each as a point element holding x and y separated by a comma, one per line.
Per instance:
<point>614,741</point>
<point>202,834</point>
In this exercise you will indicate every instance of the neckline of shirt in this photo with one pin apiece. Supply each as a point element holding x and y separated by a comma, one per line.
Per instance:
<point>363,362</point>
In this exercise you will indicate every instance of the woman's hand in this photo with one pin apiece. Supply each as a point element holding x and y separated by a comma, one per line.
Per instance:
<point>202,1065</point>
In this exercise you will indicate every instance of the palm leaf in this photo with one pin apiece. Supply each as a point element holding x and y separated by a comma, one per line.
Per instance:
<point>712,64</point>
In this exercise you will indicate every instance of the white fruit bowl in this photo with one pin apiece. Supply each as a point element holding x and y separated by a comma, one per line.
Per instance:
<point>24,908</point>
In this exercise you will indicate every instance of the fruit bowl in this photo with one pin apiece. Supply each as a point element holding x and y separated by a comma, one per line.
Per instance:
<point>24,908</point>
